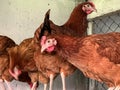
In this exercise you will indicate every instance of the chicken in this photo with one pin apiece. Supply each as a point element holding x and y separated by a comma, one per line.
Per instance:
<point>75,26</point>
<point>44,62</point>
<point>77,23</point>
<point>52,65</point>
<point>21,62</point>
<point>5,43</point>
<point>21,59</point>
<point>78,19</point>
<point>97,56</point>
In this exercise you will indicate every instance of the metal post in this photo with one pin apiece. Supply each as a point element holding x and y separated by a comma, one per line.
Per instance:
<point>90,28</point>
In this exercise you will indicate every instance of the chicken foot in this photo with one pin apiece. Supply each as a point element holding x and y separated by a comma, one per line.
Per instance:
<point>63,80</point>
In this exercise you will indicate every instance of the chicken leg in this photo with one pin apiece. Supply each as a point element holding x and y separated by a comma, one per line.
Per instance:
<point>34,86</point>
<point>45,86</point>
<point>51,81</point>
<point>63,80</point>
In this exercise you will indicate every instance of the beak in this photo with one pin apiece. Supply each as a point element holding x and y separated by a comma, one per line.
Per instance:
<point>43,48</point>
<point>95,10</point>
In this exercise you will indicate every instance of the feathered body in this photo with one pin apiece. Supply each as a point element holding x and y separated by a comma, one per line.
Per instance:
<point>22,56</point>
<point>75,26</point>
<point>77,23</point>
<point>79,17</point>
<point>51,63</point>
<point>97,56</point>
<point>5,43</point>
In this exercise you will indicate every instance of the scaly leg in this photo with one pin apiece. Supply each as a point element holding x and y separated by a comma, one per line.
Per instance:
<point>34,86</point>
<point>51,81</point>
<point>45,86</point>
<point>63,80</point>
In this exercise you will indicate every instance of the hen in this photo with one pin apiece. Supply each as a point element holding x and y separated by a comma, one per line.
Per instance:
<point>21,59</point>
<point>5,43</point>
<point>97,56</point>
<point>52,65</point>
<point>75,26</point>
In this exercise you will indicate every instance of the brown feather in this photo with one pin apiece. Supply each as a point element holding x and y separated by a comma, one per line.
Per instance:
<point>5,44</point>
<point>21,56</point>
<point>93,55</point>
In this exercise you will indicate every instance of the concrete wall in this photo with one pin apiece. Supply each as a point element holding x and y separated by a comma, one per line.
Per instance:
<point>20,18</point>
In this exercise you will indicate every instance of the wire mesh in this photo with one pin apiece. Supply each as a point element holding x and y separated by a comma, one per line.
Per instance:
<point>95,85</point>
<point>104,24</point>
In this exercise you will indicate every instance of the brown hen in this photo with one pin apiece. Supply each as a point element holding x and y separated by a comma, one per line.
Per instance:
<point>5,43</point>
<point>75,26</point>
<point>21,61</point>
<point>97,56</point>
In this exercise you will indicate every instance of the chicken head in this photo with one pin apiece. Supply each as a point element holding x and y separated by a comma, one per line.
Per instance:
<point>48,44</point>
<point>89,7</point>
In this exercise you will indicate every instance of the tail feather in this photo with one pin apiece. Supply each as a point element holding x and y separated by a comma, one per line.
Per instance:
<point>46,25</point>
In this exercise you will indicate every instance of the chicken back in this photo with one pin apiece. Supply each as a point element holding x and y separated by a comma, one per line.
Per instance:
<point>97,56</point>
<point>5,44</point>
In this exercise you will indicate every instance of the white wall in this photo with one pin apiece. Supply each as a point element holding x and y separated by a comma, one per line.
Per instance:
<point>105,7</point>
<point>20,18</point>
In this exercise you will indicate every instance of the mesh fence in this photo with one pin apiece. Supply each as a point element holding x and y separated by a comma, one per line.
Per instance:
<point>95,85</point>
<point>104,24</point>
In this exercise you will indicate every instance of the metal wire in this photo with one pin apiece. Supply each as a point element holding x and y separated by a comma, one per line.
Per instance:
<point>105,24</point>
<point>109,23</point>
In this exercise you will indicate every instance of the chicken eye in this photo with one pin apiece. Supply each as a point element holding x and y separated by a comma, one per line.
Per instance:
<point>84,6</point>
<point>48,41</point>
<point>88,5</point>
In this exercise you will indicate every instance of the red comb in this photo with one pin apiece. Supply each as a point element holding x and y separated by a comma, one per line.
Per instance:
<point>43,39</point>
